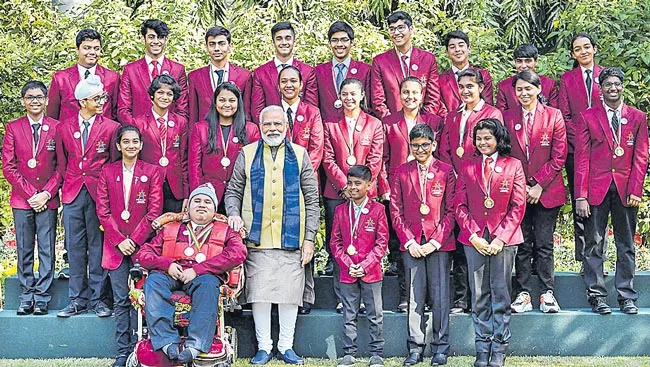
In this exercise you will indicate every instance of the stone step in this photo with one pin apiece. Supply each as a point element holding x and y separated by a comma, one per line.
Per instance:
<point>572,332</point>
<point>569,291</point>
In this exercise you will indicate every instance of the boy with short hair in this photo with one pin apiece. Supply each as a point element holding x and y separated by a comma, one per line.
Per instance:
<point>359,241</point>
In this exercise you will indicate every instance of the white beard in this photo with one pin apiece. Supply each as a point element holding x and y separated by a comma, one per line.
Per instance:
<point>274,141</point>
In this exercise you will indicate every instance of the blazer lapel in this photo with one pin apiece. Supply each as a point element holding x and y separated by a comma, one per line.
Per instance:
<point>497,172</point>
<point>403,128</point>
<point>144,72</point>
<point>361,122</point>
<point>478,173</point>
<point>415,178</point>
<point>453,85</point>
<point>539,127</point>
<point>137,175</point>
<point>74,78</point>
<point>604,124</point>
<point>94,133</point>
<point>396,66</point>
<point>44,134</point>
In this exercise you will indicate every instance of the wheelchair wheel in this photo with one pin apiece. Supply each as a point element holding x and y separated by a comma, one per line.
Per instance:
<point>132,360</point>
<point>233,344</point>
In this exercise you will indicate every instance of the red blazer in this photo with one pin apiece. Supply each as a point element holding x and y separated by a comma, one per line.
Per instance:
<point>265,90</point>
<point>134,100</point>
<point>176,172</point>
<point>308,132</point>
<point>368,145</point>
<point>451,134</point>
<point>396,144</point>
<point>201,92</point>
<point>573,99</point>
<point>234,253</point>
<point>325,77</point>
<point>386,75</point>
<point>145,205</point>
<point>450,94</point>
<point>596,165</point>
<point>206,167</point>
<point>405,202</point>
<point>547,151</point>
<point>507,98</point>
<point>61,102</point>
<point>508,192</point>
<point>80,168</point>
<point>17,150</point>
<point>371,241</point>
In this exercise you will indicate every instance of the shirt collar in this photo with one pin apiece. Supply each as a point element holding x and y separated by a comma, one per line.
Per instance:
<point>591,68</point>
<point>494,157</point>
<point>124,169</point>
<point>478,107</point>
<point>214,68</point>
<point>277,62</point>
<point>157,116</point>
<point>532,112</point>
<point>619,109</point>
<point>294,107</point>
<point>407,54</point>
<point>32,122</point>
<point>160,60</point>
<point>457,70</point>
<point>345,62</point>
<point>82,70</point>
<point>90,120</point>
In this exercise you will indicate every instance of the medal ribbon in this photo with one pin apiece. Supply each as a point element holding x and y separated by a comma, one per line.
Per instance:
<point>422,174</point>
<point>162,132</point>
<point>354,224</point>
<point>488,184</point>
<point>350,136</point>
<point>199,240</point>
<point>617,134</point>
<point>463,127</point>
<point>127,187</point>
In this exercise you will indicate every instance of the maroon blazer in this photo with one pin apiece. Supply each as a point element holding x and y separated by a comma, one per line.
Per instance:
<point>596,165</point>
<point>145,205</point>
<point>547,151</point>
<point>325,78</point>
<point>206,167</point>
<point>201,92</point>
<point>308,132</point>
<point>61,102</point>
<point>573,99</point>
<point>508,192</point>
<point>396,144</point>
<point>367,147</point>
<point>266,92</point>
<point>451,134</point>
<point>450,94</point>
<point>17,150</point>
<point>405,200</point>
<point>134,100</point>
<point>507,98</point>
<point>77,167</point>
<point>176,173</point>
<point>234,253</point>
<point>386,75</point>
<point>370,241</point>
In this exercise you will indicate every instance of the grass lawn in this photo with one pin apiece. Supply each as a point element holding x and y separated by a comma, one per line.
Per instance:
<point>391,362</point>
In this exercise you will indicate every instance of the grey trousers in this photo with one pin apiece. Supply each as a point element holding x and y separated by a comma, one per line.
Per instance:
<point>351,295</point>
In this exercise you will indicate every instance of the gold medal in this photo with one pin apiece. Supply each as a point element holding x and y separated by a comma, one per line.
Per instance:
<point>351,161</point>
<point>31,163</point>
<point>460,151</point>
<point>225,161</point>
<point>189,252</point>
<point>200,257</point>
<point>619,151</point>
<point>163,161</point>
<point>351,250</point>
<point>488,202</point>
<point>424,209</point>
<point>125,215</point>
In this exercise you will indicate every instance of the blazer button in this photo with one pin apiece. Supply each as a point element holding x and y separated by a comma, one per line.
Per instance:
<point>484,213</point>
<point>38,178</point>
<point>85,159</point>
<point>422,220</point>
<point>613,170</point>
<point>83,173</point>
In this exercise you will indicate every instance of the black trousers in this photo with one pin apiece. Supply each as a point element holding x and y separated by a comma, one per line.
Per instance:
<point>351,296</point>
<point>330,206</point>
<point>624,223</point>
<point>459,275</point>
<point>538,227</point>
<point>30,225</point>
<point>170,202</point>
<point>85,244</point>
<point>490,280</point>
<point>395,255</point>
<point>578,221</point>
<point>428,275</point>
<point>126,320</point>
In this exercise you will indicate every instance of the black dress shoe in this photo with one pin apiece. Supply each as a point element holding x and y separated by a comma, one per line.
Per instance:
<point>413,359</point>
<point>40,308</point>
<point>403,305</point>
<point>628,307</point>
<point>71,310</point>
<point>120,361</point>
<point>391,271</point>
<point>102,310</point>
<point>439,359</point>
<point>329,268</point>
<point>497,360</point>
<point>599,306</point>
<point>482,359</point>
<point>25,308</point>
<point>304,310</point>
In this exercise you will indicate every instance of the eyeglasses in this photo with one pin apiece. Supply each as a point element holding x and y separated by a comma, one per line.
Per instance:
<point>614,84</point>
<point>39,99</point>
<point>399,29</point>
<point>344,40</point>
<point>424,147</point>
<point>102,98</point>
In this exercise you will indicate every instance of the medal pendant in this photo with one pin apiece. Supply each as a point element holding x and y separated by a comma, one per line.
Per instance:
<point>31,163</point>
<point>489,203</point>
<point>200,257</point>
<point>163,161</point>
<point>125,215</point>
<point>460,151</point>
<point>189,251</point>
<point>424,209</point>
<point>619,151</point>
<point>351,250</point>
<point>225,161</point>
<point>351,161</point>
<point>338,103</point>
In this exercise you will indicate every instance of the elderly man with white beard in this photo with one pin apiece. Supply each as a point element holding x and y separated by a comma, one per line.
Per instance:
<point>273,192</point>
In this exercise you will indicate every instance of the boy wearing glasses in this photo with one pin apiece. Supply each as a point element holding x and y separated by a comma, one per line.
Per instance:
<point>330,75</point>
<point>29,163</point>
<point>133,98</point>
<point>391,67</point>
<point>85,143</point>
<point>422,211</point>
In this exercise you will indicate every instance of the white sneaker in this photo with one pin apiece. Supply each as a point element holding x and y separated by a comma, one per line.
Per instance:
<point>522,303</point>
<point>548,303</point>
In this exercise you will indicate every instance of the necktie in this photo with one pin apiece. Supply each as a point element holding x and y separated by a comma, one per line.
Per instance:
<point>290,118</point>
<point>36,127</point>
<point>405,65</point>
<point>219,77</point>
<point>162,128</point>
<point>86,74</point>
<point>487,171</point>
<point>529,126</point>
<point>456,76</point>
<point>615,123</point>
<point>339,75</point>
<point>154,71</point>
<point>84,134</point>
<point>588,82</point>
<point>282,66</point>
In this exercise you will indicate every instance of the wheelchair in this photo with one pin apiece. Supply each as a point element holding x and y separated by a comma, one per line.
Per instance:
<point>223,351</point>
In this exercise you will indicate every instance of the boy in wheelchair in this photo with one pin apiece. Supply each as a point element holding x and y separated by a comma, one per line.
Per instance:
<point>189,256</point>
